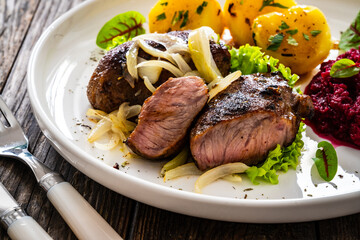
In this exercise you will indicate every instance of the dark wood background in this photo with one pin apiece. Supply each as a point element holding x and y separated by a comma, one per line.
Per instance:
<point>21,24</point>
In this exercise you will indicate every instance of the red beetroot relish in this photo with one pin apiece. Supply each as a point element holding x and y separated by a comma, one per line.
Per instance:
<point>337,101</point>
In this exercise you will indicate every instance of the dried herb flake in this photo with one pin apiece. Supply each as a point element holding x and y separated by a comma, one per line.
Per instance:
<point>314,33</point>
<point>292,32</point>
<point>200,8</point>
<point>271,3</point>
<point>275,42</point>
<point>185,20</point>
<point>161,17</point>
<point>306,37</point>
<point>283,26</point>
<point>292,41</point>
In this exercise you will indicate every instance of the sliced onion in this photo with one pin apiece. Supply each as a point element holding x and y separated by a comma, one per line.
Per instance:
<point>155,52</point>
<point>113,142</point>
<point>95,114</point>
<point>167,40</point>
<point>236,178</point>
<point>148,85</point>
<point>133,111</point>
<point>183,170</point>
<point>217,86</point>
<point>192,73</point>
<point>178,48</point>
<point>166,65</point>
<point>152,73</point>
<point>199,47</point>
<point>178,160</point>
<point>102,127</point>
<point>183,66</point>
<point>218,172</point>
<point>131,60</point>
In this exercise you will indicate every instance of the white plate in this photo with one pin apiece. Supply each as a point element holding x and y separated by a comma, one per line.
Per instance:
<point>59,69</point>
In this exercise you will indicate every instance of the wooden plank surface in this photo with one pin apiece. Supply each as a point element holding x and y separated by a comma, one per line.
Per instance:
<point>21,24</point>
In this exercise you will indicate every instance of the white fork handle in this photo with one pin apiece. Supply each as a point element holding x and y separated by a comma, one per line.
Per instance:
<point>27,228</point>
<point>83,220</point>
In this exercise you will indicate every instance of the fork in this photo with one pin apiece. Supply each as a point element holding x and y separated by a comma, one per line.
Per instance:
<point>84,221</point>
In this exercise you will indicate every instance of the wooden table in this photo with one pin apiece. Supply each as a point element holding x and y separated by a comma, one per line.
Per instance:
<point>21,24</point>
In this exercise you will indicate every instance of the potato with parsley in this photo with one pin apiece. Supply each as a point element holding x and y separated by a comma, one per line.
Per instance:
<point>170,15</point>
<point>300,37</point>
<point>240,14</point>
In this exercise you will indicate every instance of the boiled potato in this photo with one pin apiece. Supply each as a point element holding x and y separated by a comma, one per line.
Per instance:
<point>300,37</point>
<point>240,14</point>
<point>169,15</point>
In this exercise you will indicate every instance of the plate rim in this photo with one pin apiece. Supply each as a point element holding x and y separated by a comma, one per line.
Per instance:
<point>68,150</point>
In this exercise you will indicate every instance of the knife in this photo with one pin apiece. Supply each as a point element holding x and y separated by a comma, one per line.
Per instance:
<point>18,224</point>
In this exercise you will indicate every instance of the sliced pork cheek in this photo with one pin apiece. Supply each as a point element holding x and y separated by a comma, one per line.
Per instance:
<point>166,116</point>
<point>247,120</point>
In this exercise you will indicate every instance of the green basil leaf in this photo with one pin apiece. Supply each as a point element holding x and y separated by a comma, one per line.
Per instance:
<point>351,37</point>
<point>344,68</point>
<point>275,42</point>
<point>326,161</point>
<point>128,25</point>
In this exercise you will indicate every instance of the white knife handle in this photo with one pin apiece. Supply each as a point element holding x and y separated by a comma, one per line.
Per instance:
<point>83,220</point>
<point>26,228</point>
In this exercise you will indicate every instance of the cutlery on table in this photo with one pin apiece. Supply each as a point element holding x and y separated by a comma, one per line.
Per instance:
<point>18,224</point>
<point>83,220</point>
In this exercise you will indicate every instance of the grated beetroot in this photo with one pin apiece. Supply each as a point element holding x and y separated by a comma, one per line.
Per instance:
<point>337,101</point>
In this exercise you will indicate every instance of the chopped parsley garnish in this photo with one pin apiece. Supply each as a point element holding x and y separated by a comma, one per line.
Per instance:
<point>164,3</point>
<point>292,41</point>
<point>161,17</point>
<point>292,32</point>
<point>275,42</point>
<point>186,18</point>
<point>306,37</point>
<point>177,17</point>
<point>314,33</point>
<point>271,3</point>
<point>200,8</point>
<point>283,26</point>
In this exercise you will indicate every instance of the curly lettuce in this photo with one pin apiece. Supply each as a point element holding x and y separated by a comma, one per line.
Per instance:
<point>249,59</point>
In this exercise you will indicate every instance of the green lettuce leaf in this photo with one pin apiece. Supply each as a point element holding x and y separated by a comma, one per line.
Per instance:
<point>279,159</point>
<point>249,59</point>
<point>351,37</point>
<point>119,29</point>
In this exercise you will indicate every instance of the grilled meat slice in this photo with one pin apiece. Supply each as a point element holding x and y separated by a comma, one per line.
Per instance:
<point>108,86</point>
<point>247,120</point>
<point>166,116</point>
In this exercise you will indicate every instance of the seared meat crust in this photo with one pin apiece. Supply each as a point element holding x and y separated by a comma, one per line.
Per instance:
<point>108,86</point>
<point>247,120</point>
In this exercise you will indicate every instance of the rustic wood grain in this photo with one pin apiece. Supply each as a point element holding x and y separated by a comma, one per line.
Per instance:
<point>15,18</point>
<point>153,223</point>
<point>15,175</point>
<point>21,24</point>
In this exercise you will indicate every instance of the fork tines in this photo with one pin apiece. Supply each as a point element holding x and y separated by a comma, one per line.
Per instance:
<point>7,119</point>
